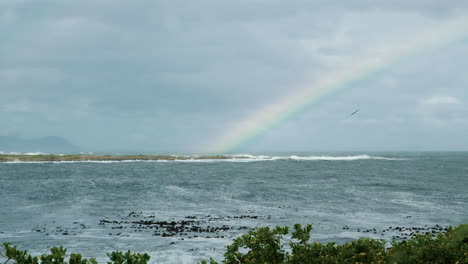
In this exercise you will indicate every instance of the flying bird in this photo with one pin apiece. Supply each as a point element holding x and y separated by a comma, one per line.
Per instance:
<point>355,112</point>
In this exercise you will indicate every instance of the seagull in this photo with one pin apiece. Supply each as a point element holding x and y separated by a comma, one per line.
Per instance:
<point>355,112</point>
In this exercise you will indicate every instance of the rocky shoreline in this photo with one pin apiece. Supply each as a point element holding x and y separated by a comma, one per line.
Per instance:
<point>69,158</point>
<point>192,226</point>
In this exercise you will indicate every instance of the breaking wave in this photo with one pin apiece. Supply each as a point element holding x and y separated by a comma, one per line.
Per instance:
<point>234,158</point>
<point>24,153</point>
<point>356,157</point>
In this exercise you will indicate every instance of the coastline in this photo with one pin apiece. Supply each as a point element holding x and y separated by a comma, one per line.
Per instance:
<point>40,157</point>
<point>86,157</point>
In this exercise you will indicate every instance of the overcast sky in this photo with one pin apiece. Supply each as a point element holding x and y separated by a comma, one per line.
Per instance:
<point>173,76</point>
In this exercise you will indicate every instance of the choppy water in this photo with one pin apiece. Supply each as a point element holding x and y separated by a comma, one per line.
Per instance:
<point>76,204</point>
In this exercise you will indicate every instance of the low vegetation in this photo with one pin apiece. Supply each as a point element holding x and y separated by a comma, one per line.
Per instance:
<point>57,255</point>
<point>265,245</point>
<point>52,158</point>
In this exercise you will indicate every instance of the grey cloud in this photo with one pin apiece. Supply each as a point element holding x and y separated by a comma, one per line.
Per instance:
<point>146,67</point>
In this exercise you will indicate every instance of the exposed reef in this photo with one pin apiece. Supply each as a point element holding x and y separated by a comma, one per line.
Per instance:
<point>208,226</point>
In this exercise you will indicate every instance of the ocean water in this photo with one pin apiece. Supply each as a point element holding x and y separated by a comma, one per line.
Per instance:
<point>186,211</point>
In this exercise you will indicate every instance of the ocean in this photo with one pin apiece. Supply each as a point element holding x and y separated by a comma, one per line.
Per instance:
<point>186,211</point>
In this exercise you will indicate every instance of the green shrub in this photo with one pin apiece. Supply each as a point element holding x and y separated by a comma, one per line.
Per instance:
<point>451,247</point>
<point>264,246</point>
<point>18,256</point>
<point>363,250</point>
<point>118,257</point>
<point>58,256</point>
<point>77,259</point>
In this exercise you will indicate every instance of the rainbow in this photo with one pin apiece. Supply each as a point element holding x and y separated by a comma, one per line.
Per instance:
<point>442,36</point>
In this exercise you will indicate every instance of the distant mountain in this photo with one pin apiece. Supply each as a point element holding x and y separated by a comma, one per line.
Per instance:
<point>49,144</point>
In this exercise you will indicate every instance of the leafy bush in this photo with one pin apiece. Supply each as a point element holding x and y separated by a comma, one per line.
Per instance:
<point>58,256</point>
<point>18,256</point>
<point>264,246</point>
<point>451,247</point>
<point>363,250</point>
<point>118,257</point>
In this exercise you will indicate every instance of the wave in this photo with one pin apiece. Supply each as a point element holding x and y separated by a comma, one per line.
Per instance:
<point>25,153</point>
<point>253,158</point>
<point>234,158</point>
<point>344,158</point>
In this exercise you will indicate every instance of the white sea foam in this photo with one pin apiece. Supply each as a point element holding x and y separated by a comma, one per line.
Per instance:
<point>349,158</point>
<point>235,158</point>
<point>253,158</point>
<point>25,153</point>
<point>179,190</point>
<point>249,157</point>
<point>229,159</point>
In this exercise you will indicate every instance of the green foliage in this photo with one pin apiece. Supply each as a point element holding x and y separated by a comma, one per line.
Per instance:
<point>451,247</point>
<point>363,250</point>
<point>264,246</point>
<point>18,256</point>
<point>118,257</point>
<point>77,259</point>
<point>211,262</point>
<point>58,256</point>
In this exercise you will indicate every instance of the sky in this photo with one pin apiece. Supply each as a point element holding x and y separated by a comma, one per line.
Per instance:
<point>175,76</point>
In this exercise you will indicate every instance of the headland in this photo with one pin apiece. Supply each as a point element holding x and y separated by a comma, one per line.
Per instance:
<point>86,157</point>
